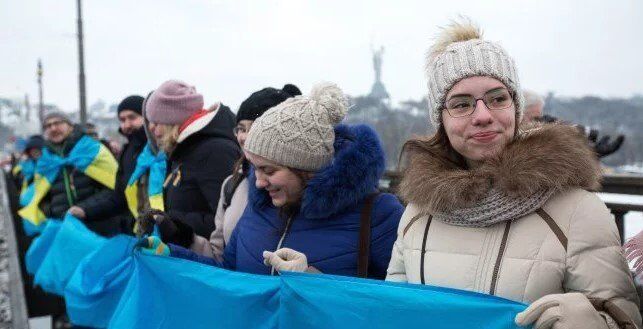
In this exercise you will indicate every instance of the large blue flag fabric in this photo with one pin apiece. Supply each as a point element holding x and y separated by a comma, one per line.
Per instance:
<point>171,293</point>
<point>107,283</point>
<point>95,289</point>
<point>167,292</point>
<point>328,301</point>
<point>40,245</point>
<point>60,257</point>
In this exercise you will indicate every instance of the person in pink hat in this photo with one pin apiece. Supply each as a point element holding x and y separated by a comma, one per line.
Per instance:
<point>201,149</point>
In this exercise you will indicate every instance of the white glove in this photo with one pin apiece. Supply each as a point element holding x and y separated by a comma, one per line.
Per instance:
<point>286,259</point>
<point>562,311</point>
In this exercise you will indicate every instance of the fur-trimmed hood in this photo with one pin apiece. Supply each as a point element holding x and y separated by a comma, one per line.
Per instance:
<point>550,156</point>
<point>353,174</point>
<point>206,125</point>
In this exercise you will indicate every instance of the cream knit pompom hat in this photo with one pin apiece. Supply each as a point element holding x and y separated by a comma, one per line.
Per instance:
<point>299,132</point>
<point>458,53</point>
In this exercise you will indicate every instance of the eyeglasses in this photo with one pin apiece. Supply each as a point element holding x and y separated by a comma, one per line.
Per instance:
<point>464,105</point>
<point>52,124</point>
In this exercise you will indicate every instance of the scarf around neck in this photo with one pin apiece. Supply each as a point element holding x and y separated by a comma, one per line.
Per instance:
<point>540,162</point>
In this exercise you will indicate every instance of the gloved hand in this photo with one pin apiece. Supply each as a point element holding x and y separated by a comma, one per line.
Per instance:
<point>153,246</point>
<point>634,250</point>
<point>286,259</point>
<point>562,311</point>
<point>77,212</point>
<point>171,229</point>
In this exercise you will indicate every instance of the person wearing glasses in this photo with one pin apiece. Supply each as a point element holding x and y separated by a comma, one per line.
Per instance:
<point>506,210</point>
<point>72,187</point>
<point>234,191</point>
<point>313,202</point>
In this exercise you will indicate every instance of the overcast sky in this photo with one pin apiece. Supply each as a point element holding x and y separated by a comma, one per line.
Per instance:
<point>228,49</point>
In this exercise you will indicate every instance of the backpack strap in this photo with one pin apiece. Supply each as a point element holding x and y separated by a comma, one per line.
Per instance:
<point>229,188</point>
<point>553,226</point>
<point>365,236</point>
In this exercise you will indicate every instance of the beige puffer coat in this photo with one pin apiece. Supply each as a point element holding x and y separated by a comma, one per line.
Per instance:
<point>570,244</point>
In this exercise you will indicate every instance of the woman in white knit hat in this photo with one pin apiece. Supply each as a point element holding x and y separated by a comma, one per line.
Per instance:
<point>313,203</point>
<point>504,210</point>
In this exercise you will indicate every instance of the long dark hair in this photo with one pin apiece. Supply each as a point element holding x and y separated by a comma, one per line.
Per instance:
<point>438,145</point>
<point>241,169</point>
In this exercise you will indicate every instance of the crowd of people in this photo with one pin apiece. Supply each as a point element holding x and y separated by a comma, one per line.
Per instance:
<point>486,204</point>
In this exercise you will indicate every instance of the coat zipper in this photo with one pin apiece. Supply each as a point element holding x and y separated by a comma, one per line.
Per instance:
<point>281,240</point>
<point>501,252</point>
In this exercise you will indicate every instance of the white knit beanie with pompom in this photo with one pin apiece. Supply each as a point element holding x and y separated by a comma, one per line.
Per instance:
<point>459,53</point>
<point>299,132</point>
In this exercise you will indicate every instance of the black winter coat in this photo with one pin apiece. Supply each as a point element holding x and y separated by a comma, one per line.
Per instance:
<point>73,187</point>
<point>197,167</point>
<point>114,203</point>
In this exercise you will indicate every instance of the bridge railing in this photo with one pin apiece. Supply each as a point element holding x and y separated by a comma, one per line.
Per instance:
<point>17,317</point>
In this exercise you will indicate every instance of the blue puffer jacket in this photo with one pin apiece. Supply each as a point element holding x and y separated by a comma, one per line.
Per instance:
<point>326,229</point>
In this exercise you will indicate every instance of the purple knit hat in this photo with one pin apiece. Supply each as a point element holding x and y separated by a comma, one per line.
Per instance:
<point>173,103</point>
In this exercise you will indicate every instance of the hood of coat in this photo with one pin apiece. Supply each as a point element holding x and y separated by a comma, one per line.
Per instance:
<point>146,127</point>
<point>354,173</point>
<point>218,123</point>
<point>551,156</point>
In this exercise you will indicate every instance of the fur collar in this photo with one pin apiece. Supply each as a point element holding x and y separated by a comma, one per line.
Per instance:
<point>353,174</point>
<point>551,156</point>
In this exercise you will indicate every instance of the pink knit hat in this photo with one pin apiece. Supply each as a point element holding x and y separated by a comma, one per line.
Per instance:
<point>172,103</point>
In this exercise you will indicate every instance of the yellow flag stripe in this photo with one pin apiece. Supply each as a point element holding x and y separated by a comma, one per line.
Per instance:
<point>103,168</point>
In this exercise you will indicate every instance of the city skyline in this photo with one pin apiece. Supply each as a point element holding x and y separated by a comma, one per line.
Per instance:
<point>228,50</point>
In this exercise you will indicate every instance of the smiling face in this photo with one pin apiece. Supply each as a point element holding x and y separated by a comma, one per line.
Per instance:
<point>282,184</point>
<point>485,132</point>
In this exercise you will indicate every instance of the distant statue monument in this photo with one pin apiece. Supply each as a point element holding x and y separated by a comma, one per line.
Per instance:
<point>377,63</point>
<point>378,90</point>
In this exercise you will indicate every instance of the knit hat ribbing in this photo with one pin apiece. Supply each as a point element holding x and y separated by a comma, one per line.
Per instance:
<point>59,115</point>
<point>299,133</point>
<point>461,53</point>
<point>133,103</point>
<point>172,103</point>
<point>261,101</point>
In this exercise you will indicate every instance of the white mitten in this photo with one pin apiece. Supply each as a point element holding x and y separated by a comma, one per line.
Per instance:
<point>562,311</point>
<point>286,259</point>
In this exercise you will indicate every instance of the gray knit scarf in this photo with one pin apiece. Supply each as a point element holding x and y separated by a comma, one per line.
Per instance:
<point>494,208</point>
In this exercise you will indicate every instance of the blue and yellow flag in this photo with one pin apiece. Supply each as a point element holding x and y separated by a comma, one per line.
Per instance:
<point>155,166</point>
<point>88,155</point>
<point>27,168</point>
<point>17,169</point>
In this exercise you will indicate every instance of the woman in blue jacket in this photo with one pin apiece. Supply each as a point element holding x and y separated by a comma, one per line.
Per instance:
<point>313,200</point>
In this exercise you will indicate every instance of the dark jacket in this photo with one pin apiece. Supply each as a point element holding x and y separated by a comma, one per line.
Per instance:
<point>73,187</point>
<point>204,157</point>
<point>326,229</point>
<point>114,203</point>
